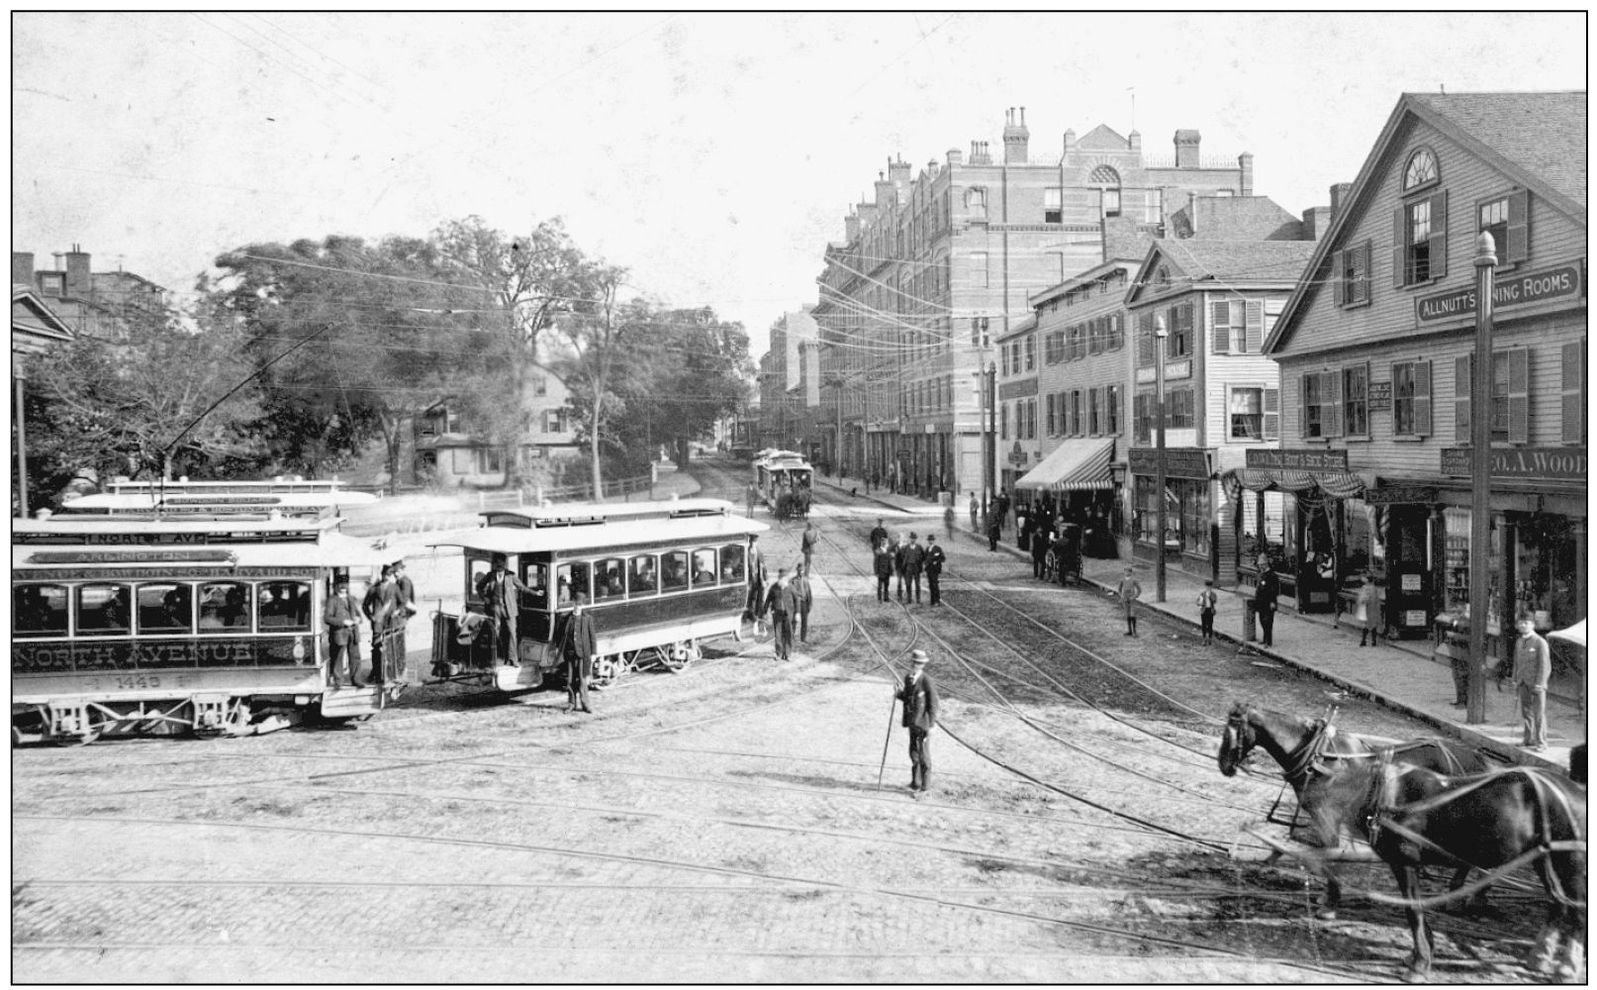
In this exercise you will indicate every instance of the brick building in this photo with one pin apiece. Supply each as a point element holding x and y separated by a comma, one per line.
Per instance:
<point>95,304</point>
<point>1374,349</point>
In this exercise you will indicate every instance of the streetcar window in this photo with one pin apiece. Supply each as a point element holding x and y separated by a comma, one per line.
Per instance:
<point>642,575</point>
<point>224,607</point>
<point>104,610</point>
<point>731,563</point>
<point>608,581</point>
<point>477,569</point>
<point>39,610</point>
<point>166,608</point>
<point>573,579</point>
<point>674,570</point>
<point>536,577</point>
<point>284,606</point>
<point>703,567</point>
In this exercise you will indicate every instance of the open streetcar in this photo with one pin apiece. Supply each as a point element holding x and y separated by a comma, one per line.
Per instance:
<point>660,578</point>
<point>170,614</point>
<point>785,481</point>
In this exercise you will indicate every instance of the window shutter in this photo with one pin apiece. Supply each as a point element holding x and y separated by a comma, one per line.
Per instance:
<point>1574,393</point>
<point>1461,386</point>
<point>1338,278</point>
<point>1399,252</point>
<point>1144,339</point>
<point>1255,327</point>
<point>1303,405</point>
<point>1118,334</point>
<point>1519,395</point>
<point>1438,239</point>
<point>1220,326</point>
<point>1272,414</point>
<point>1366,253</point>
<point>1331,389</point>
<point>1518,247</point>
<point>1422,398</point>
<point>1138,426</point>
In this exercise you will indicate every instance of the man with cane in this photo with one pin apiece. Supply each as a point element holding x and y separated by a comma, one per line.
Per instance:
<point>920,714</point>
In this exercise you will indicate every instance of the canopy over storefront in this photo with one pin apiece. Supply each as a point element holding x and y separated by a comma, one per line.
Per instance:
<point>1337,484</point>
<point>1076,465</point>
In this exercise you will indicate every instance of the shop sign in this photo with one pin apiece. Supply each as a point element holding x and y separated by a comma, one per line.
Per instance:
<point>1411,582</point>
<point>1380,396</point>
<point>1414,617</point>
<point>1180,462</point>
<point>1390,494</point>
<point>1017,456</point>
<point>1147,376</point>
<point>1282,459</point>
<point>1561,464</point>
<point>1514,290</point>
<point>1178,371</point>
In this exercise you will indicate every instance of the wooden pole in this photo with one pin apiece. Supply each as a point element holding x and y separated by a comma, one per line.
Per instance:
<point>1480,461</point>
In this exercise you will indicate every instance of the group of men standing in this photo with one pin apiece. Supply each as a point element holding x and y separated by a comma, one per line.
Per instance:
<point>786,600</point>
<point>907,562</point>
<point>387,606</point>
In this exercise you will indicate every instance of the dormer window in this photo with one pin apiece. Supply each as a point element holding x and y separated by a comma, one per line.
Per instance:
<point>1421,171</point>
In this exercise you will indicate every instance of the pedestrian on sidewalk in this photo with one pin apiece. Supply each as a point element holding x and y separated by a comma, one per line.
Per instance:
<point>975,513</point>
<point>1532,667</point>
<point>803,595</point>
<point>1040,542</point>
<point>1264,598</point>
<point>1367,612</point>
<point>752,495</point>
<point>1207,600</point>
<point>914,559</point>
<point>1003,508</point>
<point>884,570</point>
<point>782,604</point>
<point>1129,591</point>
<point>755,604</point>
<point>920,714</point>
<point>994,531</point>
<point>948,521</point>
<point>934,568</point>
<point>898,564</point>
<point>807,543</point>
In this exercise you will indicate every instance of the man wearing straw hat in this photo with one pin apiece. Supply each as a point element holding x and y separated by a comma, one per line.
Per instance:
<point>920,714</point>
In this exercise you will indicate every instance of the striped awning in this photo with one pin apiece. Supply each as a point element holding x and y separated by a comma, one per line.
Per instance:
<point>1337,484</point>
<point>1075,465</point>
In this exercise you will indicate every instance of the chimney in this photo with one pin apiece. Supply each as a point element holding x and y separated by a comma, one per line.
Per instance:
<point>1070,140</point>
<point>978,153</point>
<point>1187,149</point>
<point>22,268</point>
<point>1134,141</point>
<point>1016,137</point>
<point>897,170</point>
<point>1245,164</point>
<point>884,191</point>
<point>1339,195</point>
<point>1316,220</point>
<point>77,273</point>
<point>850,226</point>
<point>955,157</point>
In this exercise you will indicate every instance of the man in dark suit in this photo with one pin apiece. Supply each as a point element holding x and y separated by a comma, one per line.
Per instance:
<point>914,558</point>
<point>878,534</point>
<point>804,595</point>
<point>935,558</point>
<point>1264,599</point>
<point>920,714</point>
<point>782,603</point>
<point>498,589</point>
<point>342,618</point>
<point>577,649</point>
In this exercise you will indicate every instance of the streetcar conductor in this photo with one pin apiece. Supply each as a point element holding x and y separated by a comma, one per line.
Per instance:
<point>342,618</point>
<point>920,713</point>
<point>498,590</point>
<point>577,649</point>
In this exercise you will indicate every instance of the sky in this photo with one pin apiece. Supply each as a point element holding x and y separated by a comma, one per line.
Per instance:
<point>713,155</point>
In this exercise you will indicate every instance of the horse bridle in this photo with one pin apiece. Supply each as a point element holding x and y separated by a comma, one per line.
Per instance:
<point>1237,724</point>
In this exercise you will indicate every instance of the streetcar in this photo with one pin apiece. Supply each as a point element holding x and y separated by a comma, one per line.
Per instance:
<point>660,578</point>
<point>282,495</point>
<point>784,479</point>
<point>195,617</point>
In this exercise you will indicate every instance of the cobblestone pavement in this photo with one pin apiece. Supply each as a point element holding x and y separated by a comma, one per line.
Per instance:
<point>719,825</point>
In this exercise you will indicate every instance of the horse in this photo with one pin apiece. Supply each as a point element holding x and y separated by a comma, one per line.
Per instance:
<point>1495,821</point>
<point>1304,747</point>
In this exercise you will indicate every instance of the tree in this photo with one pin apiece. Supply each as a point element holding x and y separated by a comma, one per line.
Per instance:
<point>350,340</point>
<point>591,347</point>
<point>165,393</point>
<point>519,286</point>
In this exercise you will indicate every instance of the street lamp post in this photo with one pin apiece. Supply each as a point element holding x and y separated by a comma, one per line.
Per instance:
<point>22,444</point>
<point>1160,332</point>
<point>990,471</point>
<point>1480,462</point>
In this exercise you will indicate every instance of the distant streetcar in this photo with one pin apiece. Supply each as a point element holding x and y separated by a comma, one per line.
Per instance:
<point>785,481</point>
<point>180,610</point>
<point>661,577</point>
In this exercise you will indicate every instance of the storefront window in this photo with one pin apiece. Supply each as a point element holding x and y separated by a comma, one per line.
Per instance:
<point>1186,509</point>
<point>1456,595</point>
<point>1360,546</point>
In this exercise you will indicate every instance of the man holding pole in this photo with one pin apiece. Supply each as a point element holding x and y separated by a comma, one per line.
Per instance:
<point>920,715</point>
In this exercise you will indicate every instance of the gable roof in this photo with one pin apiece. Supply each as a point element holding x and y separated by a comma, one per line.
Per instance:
<point>33,318</point>
<point>1236,218</point>
<point>1508,131</point>
<point>1103,138</point>
<point>1238,264</point>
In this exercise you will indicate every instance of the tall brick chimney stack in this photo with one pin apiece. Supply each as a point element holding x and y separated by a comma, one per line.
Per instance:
<point>1245,164</point>
<point>1187,148</point>
<point>898,170</point>
<point>850,226</point>
<point>955,157</point>
<point>1016,138</point>
<point>1339,194</point>
<point>78,284</point>
<point>884,191</point>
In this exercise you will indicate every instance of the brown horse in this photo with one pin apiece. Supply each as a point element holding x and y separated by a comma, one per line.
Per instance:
<point>1306,747</point>
<point>1413,817</point>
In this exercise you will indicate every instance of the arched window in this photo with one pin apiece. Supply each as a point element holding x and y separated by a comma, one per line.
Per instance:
<point>1108,182</point>
<point>1421,170</point>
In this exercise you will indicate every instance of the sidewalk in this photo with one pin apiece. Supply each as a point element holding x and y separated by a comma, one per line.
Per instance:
<point>1397,674</point>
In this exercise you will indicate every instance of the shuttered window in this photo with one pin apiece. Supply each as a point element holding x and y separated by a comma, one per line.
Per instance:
<point>1111,408</point>
<point>1272,414</point>
<point>1411,398</point>
<point>1507,219</point>
<point>1574,393</point>
<point>1419,240</point>
<point>1220,324</point>
<point>1145,340</point>
<point>1117,331</point>
<point>1461,386</point>
<point>1053,421</point>
<point>1179,343</point>
<point>1076,424</point>
<point>1320,404</point>
<point>1352,276</point>
<point>1179,414</point>
<point>1140,415</point>
<point>1511,400</point>
<point>1253,337</point>
<point>1356,401</point>
<point>1094,416</point>
<point>1331,396</point>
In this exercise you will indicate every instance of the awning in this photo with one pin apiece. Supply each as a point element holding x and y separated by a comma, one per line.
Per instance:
<point>1337,484</point>
<point>1075,465</point>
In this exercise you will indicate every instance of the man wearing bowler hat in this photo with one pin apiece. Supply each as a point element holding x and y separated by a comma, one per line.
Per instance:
<point>577,650</point>
<point>920,714</point>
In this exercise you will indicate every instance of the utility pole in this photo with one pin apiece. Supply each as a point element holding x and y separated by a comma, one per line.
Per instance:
<point>22,443</point>
<point>1480,476</point>
<point>1160,332</point>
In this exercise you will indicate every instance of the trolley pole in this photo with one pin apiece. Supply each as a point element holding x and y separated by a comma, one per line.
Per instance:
<point>1480,464</point>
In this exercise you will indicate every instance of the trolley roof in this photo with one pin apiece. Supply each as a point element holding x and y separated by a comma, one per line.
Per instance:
<point>608,536</point>
<point>606,513</point>
<point>300,544</point>
<point>218,503</point>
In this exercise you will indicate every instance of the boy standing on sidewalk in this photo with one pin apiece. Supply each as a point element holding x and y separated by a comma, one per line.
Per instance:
<point>1207,600</point>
